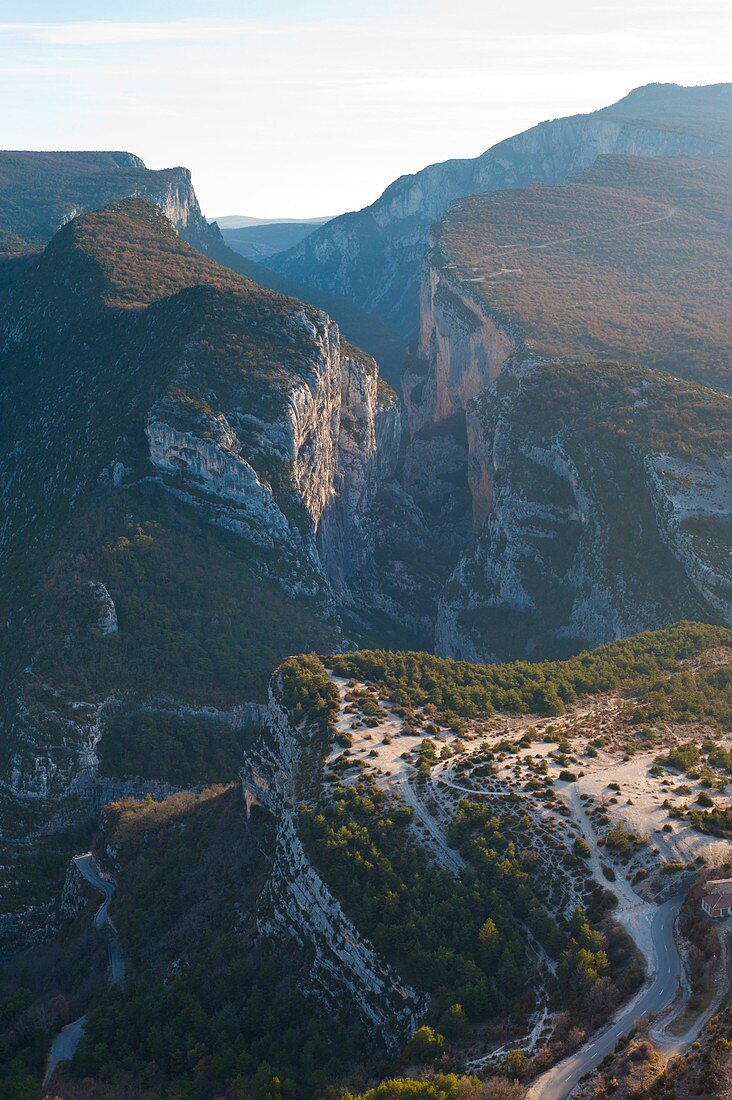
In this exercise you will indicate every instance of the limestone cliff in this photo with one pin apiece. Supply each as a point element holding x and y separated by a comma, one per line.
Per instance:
<point>463,345</point>
<point>58,186</point>
<point>299,483</point>
<point>299,908</point>
<point>582,533</point>
<point>462,350</point>
<point>199,503</point>
<point>693,503</point>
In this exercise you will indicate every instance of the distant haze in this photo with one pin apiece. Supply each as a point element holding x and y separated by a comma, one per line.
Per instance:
<point>309,105</point>
<point>242,221</point>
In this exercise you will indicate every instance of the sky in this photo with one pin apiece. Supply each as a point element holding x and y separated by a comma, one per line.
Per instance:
<point>304,108</point>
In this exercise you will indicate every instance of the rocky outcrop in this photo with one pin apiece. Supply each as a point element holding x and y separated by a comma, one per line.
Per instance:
<point>299,484</point>
<point>693,503</point>
<point>74,894</point>
<point>576,542</point>
<point>179,203</point>
<point>107,612</point>
<point>298,908</point>
<point>374,256</point>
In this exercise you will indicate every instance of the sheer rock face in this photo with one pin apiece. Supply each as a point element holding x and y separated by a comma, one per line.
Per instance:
<point>578,542</point>
<point>369,434</point>
<point>298,908</point>
<point>693,503</point>
<point>335,439</point>
<point>463,345</point>
<point>563,539</point>
<point>462,350</point>
<point>374,256</point>
<point>179,203</point>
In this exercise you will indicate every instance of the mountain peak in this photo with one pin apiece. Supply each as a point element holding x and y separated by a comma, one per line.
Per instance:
<point>138,255</point>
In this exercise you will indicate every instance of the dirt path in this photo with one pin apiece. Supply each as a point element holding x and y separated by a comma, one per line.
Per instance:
<point>632,912</point>
<point>670,213</point>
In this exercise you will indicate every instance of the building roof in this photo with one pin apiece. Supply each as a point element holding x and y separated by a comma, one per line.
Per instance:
<point>718,895</point>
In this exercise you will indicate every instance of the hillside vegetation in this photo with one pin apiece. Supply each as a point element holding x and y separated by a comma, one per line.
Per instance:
<point>633,261</point>
<point>114,306</point>
<point>465,689</point>
<point>41,191</point>
<point>116,318</point>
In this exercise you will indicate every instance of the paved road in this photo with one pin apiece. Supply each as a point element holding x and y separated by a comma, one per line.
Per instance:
<point>87,868</point>
<point>65,1044</point>
<point>558,1082</point>
<point>105,886</point>
<point>671,1042</point>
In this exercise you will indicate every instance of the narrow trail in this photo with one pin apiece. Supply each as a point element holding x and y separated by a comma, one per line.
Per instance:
<point>543,246</point>
<point>589,236</point>
<point>64,1045</point>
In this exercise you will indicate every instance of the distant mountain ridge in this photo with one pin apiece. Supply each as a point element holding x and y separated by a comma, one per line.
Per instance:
<point>262,240</point>
<point>243,221</point>
<point>373,256</point>
<point>42,191</point>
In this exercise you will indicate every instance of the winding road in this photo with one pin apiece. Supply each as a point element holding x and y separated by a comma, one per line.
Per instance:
<point>559,1082</point>
<point>651,926</point>
<point>64,1045</point>
<point>88,868</point>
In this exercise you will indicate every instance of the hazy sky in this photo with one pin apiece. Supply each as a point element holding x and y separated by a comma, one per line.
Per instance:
<point>291,108</point>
